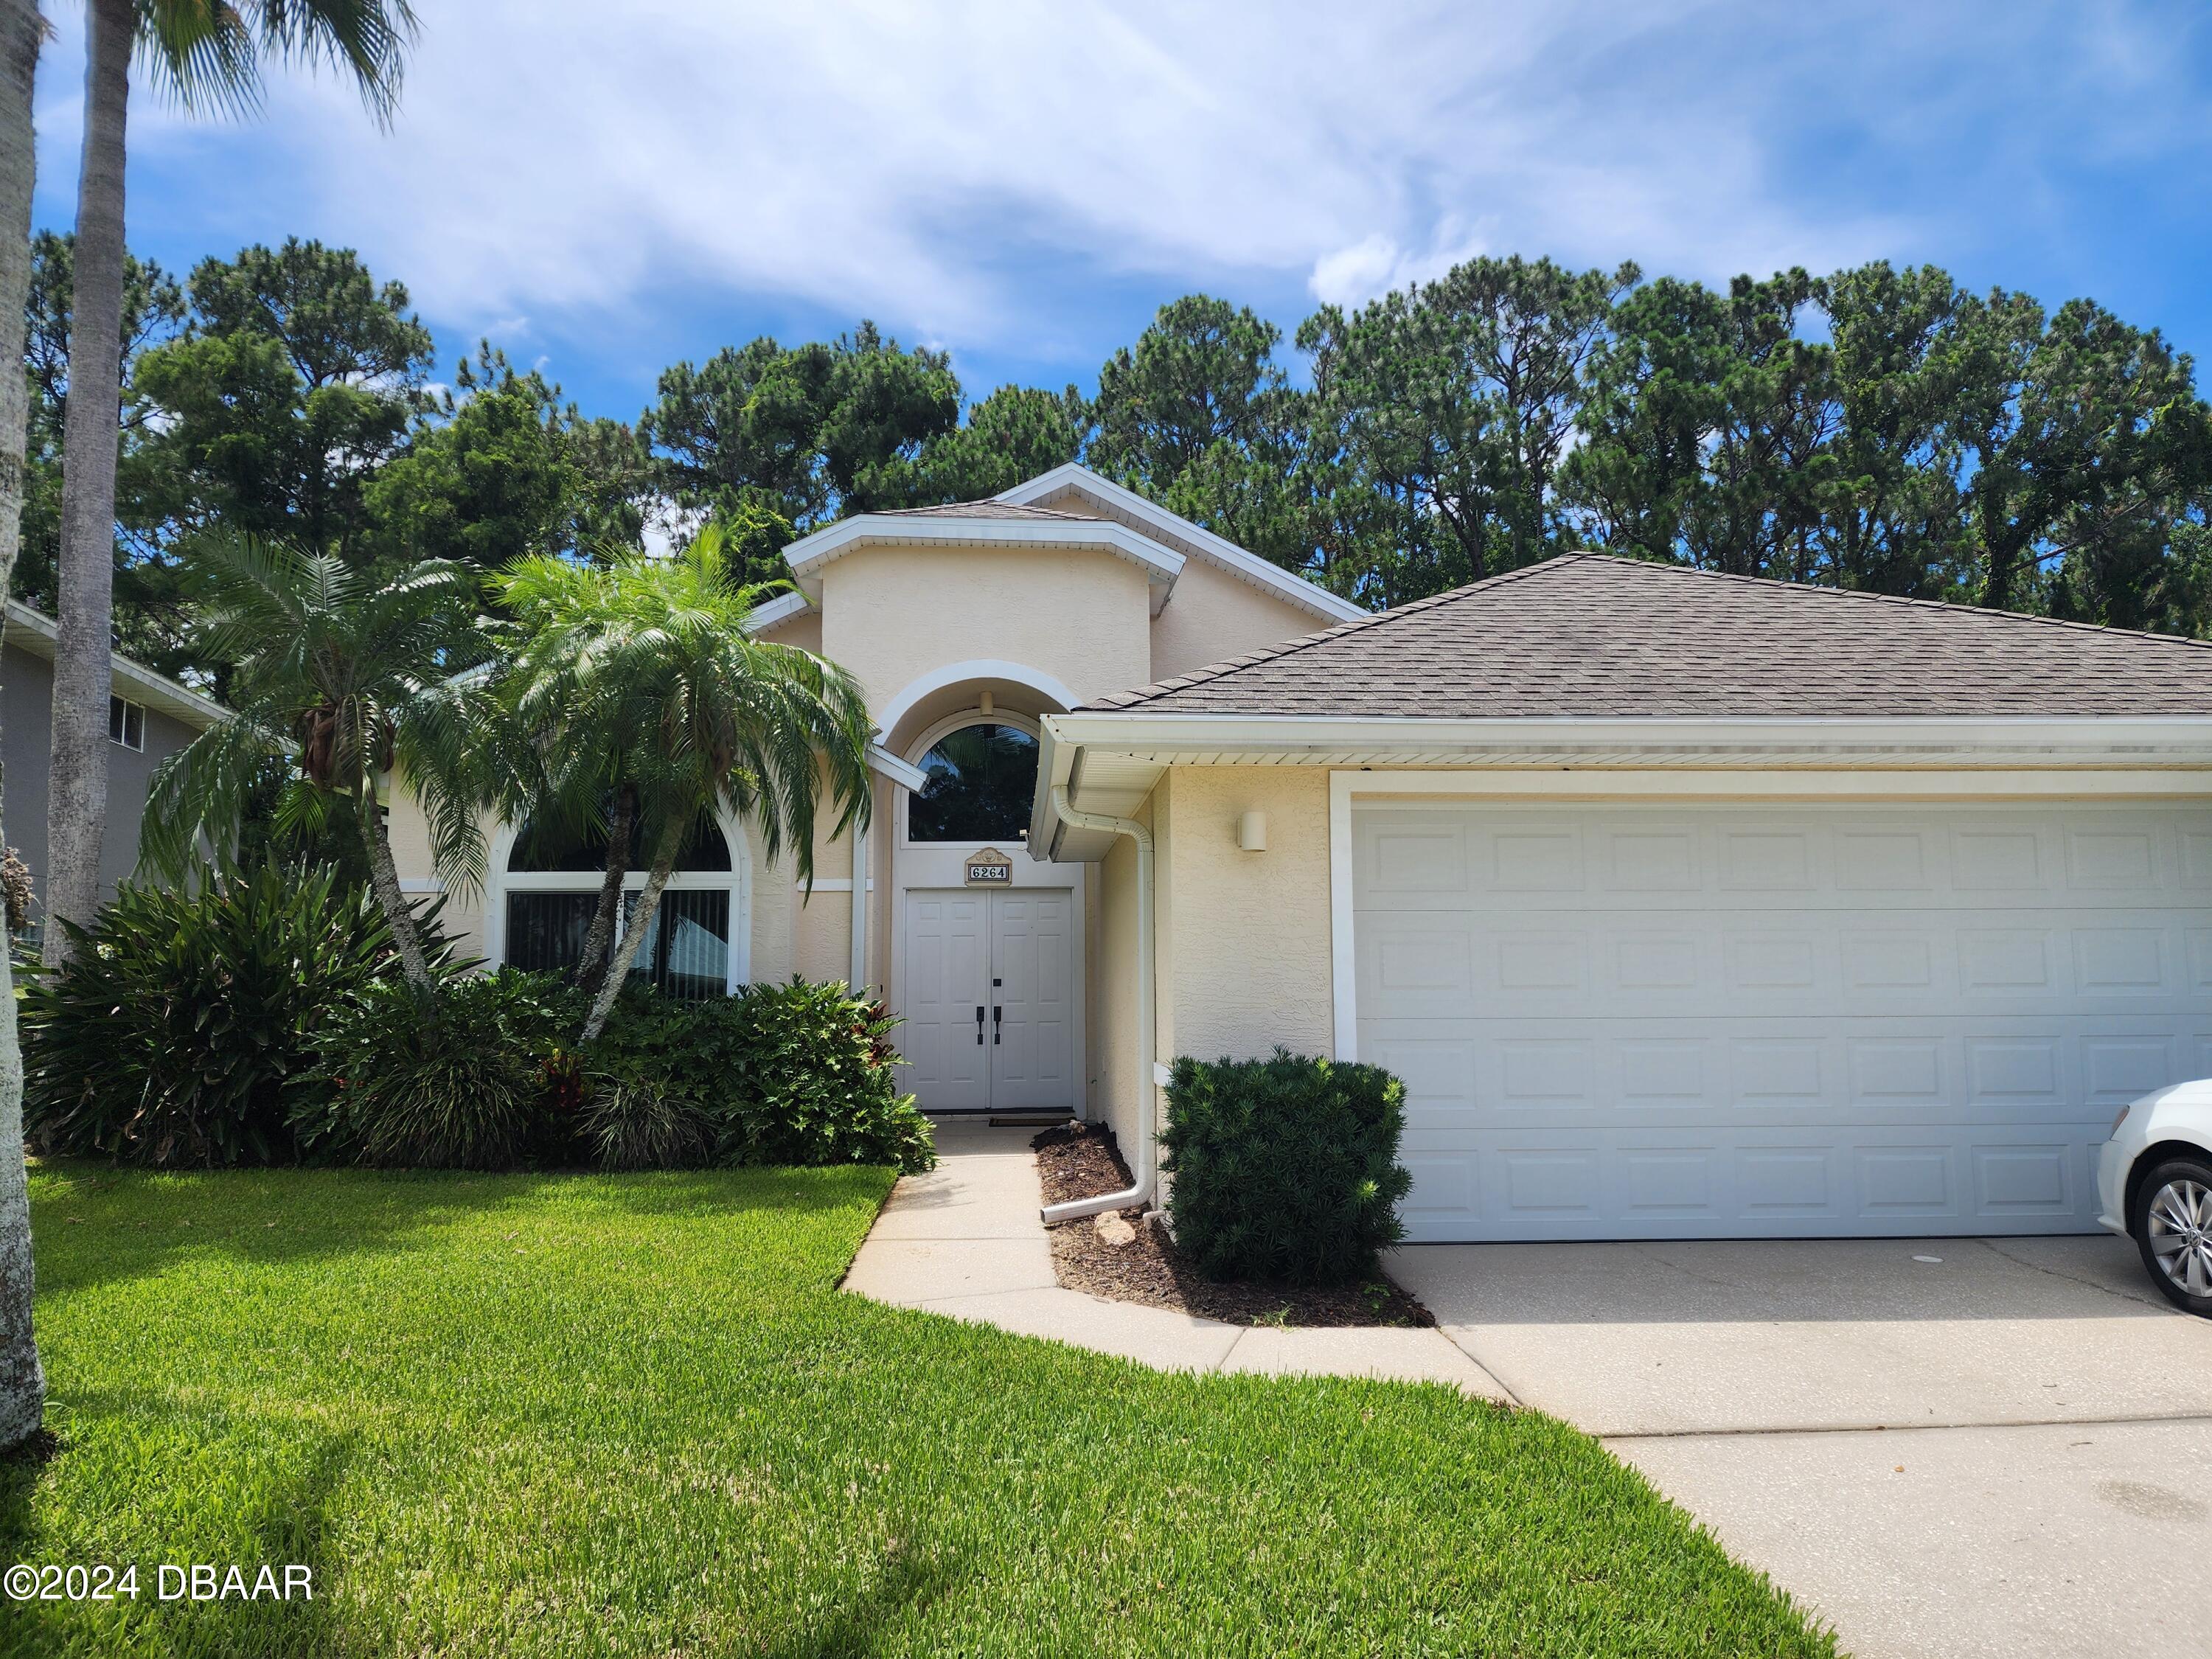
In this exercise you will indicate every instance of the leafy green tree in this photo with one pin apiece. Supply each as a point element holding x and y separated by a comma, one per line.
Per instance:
<point>1015,433</point>
<point>617,488</point>
<point>1199,417</point>
<point>349,676</point>
<point>658,649</point>
<point>1706,427</point>
<point>295,388</point>
<point>150,617</point>
<point>804,435</point>
<point>1452,402</point>
<point>494,478</point>
<point>1895,524</point>
<point>2074,437</point>
<point>207,52</point>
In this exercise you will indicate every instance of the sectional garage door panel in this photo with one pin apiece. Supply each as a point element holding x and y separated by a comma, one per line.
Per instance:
<point>1623,1021</point>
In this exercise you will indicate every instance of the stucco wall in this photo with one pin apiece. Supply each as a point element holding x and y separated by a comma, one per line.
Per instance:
<point>1211,615</point>
<point>803,630</point>
<point>893,614</point>
<point>1249,958</point>
<point>462,917</point>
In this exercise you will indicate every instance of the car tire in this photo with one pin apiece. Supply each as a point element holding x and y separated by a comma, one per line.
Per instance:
<point>2173,1227</point>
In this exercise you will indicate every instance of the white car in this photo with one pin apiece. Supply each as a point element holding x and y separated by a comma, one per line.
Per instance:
<point>2154,1182</point>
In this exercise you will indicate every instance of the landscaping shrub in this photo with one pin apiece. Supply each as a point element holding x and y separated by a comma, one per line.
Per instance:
<point>791,1074</point>
<point>459,1079</point>
<point>183,1025</point>
<point>1285,1169</point>
<point>635,1126</point>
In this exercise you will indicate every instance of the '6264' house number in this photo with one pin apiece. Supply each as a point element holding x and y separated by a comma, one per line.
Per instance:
<point>990,868</point>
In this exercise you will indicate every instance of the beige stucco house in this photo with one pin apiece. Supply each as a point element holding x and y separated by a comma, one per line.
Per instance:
<point>1686,905</point>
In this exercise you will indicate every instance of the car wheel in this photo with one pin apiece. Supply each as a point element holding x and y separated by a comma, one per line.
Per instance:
<point>2174,1230</point>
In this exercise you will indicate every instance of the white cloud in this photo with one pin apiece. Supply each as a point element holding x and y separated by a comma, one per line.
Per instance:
<point>561,158</point>
<point>1376,264</point>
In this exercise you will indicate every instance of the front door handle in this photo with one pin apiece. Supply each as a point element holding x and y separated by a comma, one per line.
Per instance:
<point>979,1026</point>
<point>995,1011</point>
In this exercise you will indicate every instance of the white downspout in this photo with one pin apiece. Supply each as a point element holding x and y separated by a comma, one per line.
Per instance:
<point>1150,1073</point>
<point>858,983</point>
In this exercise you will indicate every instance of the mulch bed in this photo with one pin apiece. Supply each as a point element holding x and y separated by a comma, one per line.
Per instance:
<point>1080,1160</point>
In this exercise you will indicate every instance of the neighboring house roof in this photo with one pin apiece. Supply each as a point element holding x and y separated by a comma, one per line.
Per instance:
<point>1125,506</point>
<point>36,632</point>
<point>1595,636</point>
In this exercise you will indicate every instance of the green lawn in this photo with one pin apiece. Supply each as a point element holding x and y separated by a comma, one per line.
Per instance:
<point>579,1415</point>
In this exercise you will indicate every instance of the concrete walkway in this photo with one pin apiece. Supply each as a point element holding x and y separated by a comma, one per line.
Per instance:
<point>964,1240</point>
<point>1950,1447</point>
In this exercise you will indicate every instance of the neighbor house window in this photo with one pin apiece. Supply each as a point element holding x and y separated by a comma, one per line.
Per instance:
<point>126,723</point>
<point>553,888</point>
<point>981,781</point>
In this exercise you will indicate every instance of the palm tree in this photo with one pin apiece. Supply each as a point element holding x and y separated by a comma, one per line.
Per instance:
<point>350,677</point>
<point>536,761</point>
<point>207,53</point>
<point>22,1382</point>
<point>657,648</point>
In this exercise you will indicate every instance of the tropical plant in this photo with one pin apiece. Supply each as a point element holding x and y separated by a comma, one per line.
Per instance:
<point>453,1078</point>
<point>658,649</point>
<point>349,675</point>
<point>207,53</point>
<point>800,1072</point>
<point>1285,1169</point>
<point>635,1126</point>
<point>22,1381</point>
<point>818,1081</point>
<point>179,1029</point>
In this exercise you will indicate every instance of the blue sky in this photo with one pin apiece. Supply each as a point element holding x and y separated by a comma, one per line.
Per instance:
<point>1025,185</point>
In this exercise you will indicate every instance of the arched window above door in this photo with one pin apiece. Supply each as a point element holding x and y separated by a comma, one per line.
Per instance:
<point>981,778</point>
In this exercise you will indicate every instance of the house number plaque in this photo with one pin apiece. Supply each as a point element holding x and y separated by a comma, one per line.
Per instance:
<point>990,868</point>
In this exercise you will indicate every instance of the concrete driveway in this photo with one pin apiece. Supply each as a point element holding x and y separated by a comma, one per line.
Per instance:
<point>1946,1446</point>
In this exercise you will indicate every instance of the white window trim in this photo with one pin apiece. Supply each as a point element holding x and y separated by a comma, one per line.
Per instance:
<point>737,881</point>
<point>903,798</point>
<point>124,741</point>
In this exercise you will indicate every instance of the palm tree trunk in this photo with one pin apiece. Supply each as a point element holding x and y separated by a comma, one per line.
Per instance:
<point>22,1382</point>
<point>391,897</point>
<point>76,808</point>
<point>593,963</point>
<point>648,903</point>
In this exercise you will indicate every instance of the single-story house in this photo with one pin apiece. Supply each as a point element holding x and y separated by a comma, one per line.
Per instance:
<point>150,717</point>
<point>1686,905</point>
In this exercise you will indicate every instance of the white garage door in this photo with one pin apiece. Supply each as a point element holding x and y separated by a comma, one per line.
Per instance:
<point>1751,1020</point>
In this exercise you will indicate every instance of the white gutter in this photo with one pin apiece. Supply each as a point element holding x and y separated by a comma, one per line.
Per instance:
<point>1149,1072</point>
<point>2090,736</point>
<point>856,981</point>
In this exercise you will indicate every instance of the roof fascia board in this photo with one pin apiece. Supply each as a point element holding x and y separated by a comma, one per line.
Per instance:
<point>777,610</point>
<point>155,691</point>
<point>1216,550</point>
<point>1161,564</point>
<point>1286,735</point>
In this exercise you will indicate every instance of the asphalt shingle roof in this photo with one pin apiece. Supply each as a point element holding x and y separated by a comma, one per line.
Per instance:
<point>985,510</point>
<point>1594,634</point>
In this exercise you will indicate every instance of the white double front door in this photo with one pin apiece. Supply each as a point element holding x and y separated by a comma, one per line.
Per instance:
<point>989,999</point>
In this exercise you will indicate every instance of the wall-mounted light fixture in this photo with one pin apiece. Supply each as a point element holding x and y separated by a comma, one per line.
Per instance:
<point>1252,832</point>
